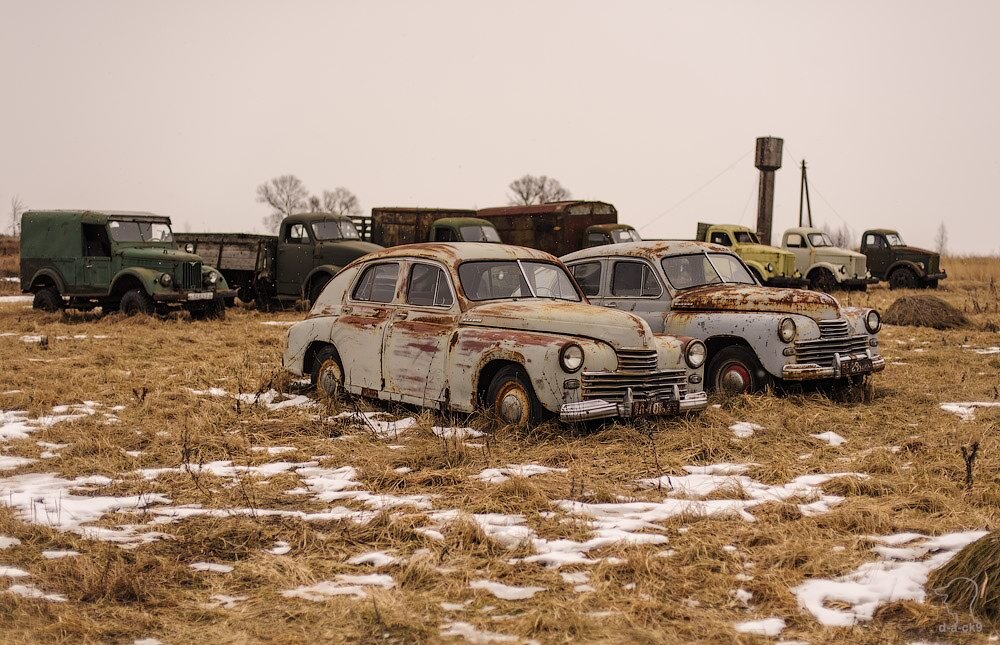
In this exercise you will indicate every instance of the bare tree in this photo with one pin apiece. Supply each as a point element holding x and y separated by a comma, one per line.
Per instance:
<point>941,239</point>
<point>314,203</point>
<point>341,201</point>
<point>285,195</point>
<point>16,210</point>
<point>536,189</point>
<point>842,237</point>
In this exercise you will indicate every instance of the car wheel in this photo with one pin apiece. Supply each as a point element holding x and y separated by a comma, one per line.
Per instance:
<point>903,278</point>
<point>511,398</point>
<point>328,373</point>
<point>822,280</point>
<point>136,302</point>
<point>735,369</point>
<point>47,299</point>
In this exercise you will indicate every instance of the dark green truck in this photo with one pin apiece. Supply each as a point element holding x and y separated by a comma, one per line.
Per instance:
<point>116,260</point>
<point>295,264</point>
<point>903,266</point>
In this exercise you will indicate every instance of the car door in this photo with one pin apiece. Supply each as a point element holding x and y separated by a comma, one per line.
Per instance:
<point>359,332</point>
<point>96,270</point>
<point>633,286</point>
<point>418,335</point>
<point>295,259</point>
<point>799,246</point>
<point>876,248</point>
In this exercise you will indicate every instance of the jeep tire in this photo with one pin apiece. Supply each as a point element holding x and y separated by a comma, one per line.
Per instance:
<point>903,278</point>
<point>822,280</point>
<point>736,370</point>
<point>136,302</point>
<point>47,299</point>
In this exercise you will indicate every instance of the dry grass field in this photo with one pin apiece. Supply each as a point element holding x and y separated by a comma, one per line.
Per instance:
<point>156,507</point>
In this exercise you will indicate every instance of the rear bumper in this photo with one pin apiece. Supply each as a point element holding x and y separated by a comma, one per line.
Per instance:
<point>785,281</point>
<point>629,409</point>
<point>813,371</point>
<point>182,296</point>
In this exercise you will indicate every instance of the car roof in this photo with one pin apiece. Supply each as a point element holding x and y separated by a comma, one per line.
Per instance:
<point>316,217</point>
<point>803,230</point>
<point>883,231</point>
<point>650,250</point>
<point>453,253</point>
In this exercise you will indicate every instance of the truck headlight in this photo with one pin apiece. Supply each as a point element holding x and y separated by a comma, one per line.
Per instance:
<point>769,267</point>
<point>873,321</point>
<point>211,277</point>
<point>695,354</point>
<point>786,330</point>
<point>843,269</point>
<point>166,279</point>
<point>571,357</point>
<point>189,248</point>
<point>921,265</point>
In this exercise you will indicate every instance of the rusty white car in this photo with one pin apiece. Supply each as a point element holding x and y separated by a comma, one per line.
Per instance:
<point>473,326</point>
<point>755,335</point>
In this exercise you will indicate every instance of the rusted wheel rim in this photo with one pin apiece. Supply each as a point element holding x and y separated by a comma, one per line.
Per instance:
<point>331,378</point>
<point>735,377</point>
<point>513,403</point>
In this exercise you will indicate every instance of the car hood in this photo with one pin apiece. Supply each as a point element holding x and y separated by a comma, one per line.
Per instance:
<point>762,249</point>
<point>834,254</point>
<point>742,297</point>
<point>158,254</point>
<point>617,328</point>
<point>913,251</point>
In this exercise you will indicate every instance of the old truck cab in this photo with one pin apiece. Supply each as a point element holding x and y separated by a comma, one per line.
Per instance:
<point>904,266</point>
<point>114,260</point>
<point>826,267</point>
<point>601,234</point>
<point>396,225</point>
<point>771,266</point>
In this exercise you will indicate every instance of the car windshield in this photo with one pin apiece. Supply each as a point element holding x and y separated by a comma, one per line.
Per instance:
<point>820,239</point>
<point>746,237</point>
<point>697,270</point>
<point>501,280</point>
<point>895,239</point>
<point>626,235</point>
<point>338,229</point>
<point>122,231</point>
<point>477,233</point>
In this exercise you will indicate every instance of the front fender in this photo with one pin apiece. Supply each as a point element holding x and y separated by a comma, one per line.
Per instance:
<point>758,267</point>
<point>144,275</point>
<point>829,266</point>
<point>326,269</point>
<point>906,263</point>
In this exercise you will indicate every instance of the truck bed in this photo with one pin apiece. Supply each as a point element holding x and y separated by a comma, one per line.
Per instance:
<point>231,251</point>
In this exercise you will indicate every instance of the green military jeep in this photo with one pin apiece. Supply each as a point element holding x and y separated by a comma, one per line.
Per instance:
<point>117,261</point>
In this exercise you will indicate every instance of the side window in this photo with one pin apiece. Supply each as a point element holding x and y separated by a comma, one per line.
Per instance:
<point>444,235</point>
<point>588,276</point>
<point>634,280</point>
<point>794,240</point>
<point>721,237</point>
<point>596,239</point>
<point>377,283</point>
<point>874,241</point>
<point>96,243</point>
<point>296,234</point>
<point>428,287</point>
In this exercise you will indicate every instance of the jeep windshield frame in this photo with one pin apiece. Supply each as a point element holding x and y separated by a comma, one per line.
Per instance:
<point>675,266</point>
<point>492,280</point>
<point>130,231</point>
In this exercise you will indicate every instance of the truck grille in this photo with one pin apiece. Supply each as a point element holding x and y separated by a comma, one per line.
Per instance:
<point>787,266</point>
<point>834,338</point>
<point>189,276</point>
<point>833,329</point>
<point>636,370</point>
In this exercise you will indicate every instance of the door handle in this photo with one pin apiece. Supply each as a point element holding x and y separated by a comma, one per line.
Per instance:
<point>347,310</point>
<point>612,305</point>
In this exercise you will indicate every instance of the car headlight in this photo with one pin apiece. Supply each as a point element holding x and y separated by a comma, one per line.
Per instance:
<point>843,269</point>
<point>189,247</point>
<point>873,321</point>
<point>786,330</point>
<point>695,354</point>
<point>211,277</point>
<point>769,267</point>
<point>166,279</point>
<point>571,357</point>
<point>921,265</point>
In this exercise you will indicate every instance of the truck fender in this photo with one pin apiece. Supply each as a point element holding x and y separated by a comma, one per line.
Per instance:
<point>47,275</point>
<point>328,270</point>
<point>832,268</point>
<point>143,275</point>
<point>905,263</point>
<point>757,267</point>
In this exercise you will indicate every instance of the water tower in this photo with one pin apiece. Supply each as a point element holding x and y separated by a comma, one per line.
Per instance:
<point>767,160</point>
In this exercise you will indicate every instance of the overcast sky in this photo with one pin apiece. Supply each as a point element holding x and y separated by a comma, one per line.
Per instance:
<point>183,108</point>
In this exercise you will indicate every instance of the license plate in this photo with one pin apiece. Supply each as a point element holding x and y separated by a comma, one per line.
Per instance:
<point>655,408</point>
<point>205,295</point>
<point>858,366</point>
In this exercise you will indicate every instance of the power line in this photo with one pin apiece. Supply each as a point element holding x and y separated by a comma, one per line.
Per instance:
<point>699,189</point>
<point>825,200</point>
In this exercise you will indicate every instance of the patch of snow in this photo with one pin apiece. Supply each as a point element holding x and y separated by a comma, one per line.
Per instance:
<point>499,475</point>
<point>271,399</point>
<point>377,559</point>
<point>11,300</point>
<point>51,449</point>
<point>227,602</point>
<point>58,555</point>
<point>228,469</point>
<point>455,606</point>
<point>278,323</point>
<point>456,433</point>
<point>10,463</point>
<point>31,591</point>
<point>274,450</point>
<point>211,566</point>
<point>344,585</point>
<point>13,572</point>
<point>720,469</point>
<point>473,635</point>
<point>16,424</point>
<point>280,548</point>
<point>505,592</point>
<point>901,575</point>
<point>744,429</point>
<point>402,470</point>
<point>831,438</point>
<point>764,627</point>
<point>7,542</point>
<point>966,410</point>
<point>381,429</point>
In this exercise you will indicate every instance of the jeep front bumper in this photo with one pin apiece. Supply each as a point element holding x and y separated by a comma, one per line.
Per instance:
<point>858,282</point>
<point>631,409</point>
<point>843,365</point>
<point>192,296</point>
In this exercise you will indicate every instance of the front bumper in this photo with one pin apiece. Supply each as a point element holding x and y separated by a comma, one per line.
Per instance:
<point>935,276</point>
<point>786,281</point>
<point>630,409</point>
<point>858,282</point>
<point>185,296</point>
<point>813,371</point>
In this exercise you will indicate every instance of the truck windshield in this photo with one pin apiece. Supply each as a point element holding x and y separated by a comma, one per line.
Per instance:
<point>340,229</point>
<point>626,235</point>
<point>122,231</point>
<point>746,237</point>
<point>515,279</point>
<point>698,270</point>
<point>895,239</point>
<point>472,233</point>
<point>820,239</point>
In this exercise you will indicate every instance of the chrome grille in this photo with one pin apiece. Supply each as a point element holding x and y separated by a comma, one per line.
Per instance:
<point>636,360</point>
<point>189,276</point>
<point>821,351</point>
<point>611,386</point>
<point>833,329</point>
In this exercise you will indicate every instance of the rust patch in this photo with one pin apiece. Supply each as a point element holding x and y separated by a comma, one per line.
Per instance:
<point>748,298</point>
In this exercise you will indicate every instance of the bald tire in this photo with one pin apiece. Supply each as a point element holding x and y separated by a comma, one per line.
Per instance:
<point>47,299</point>
<point>735,369</point>
<point>511,398</point>
<point>328,373</point>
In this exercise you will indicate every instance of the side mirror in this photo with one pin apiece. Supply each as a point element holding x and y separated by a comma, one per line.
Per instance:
<point>189,247</point>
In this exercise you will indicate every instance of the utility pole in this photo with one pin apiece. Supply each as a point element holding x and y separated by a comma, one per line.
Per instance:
<point>767,160</point>
<point>804,190</point>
